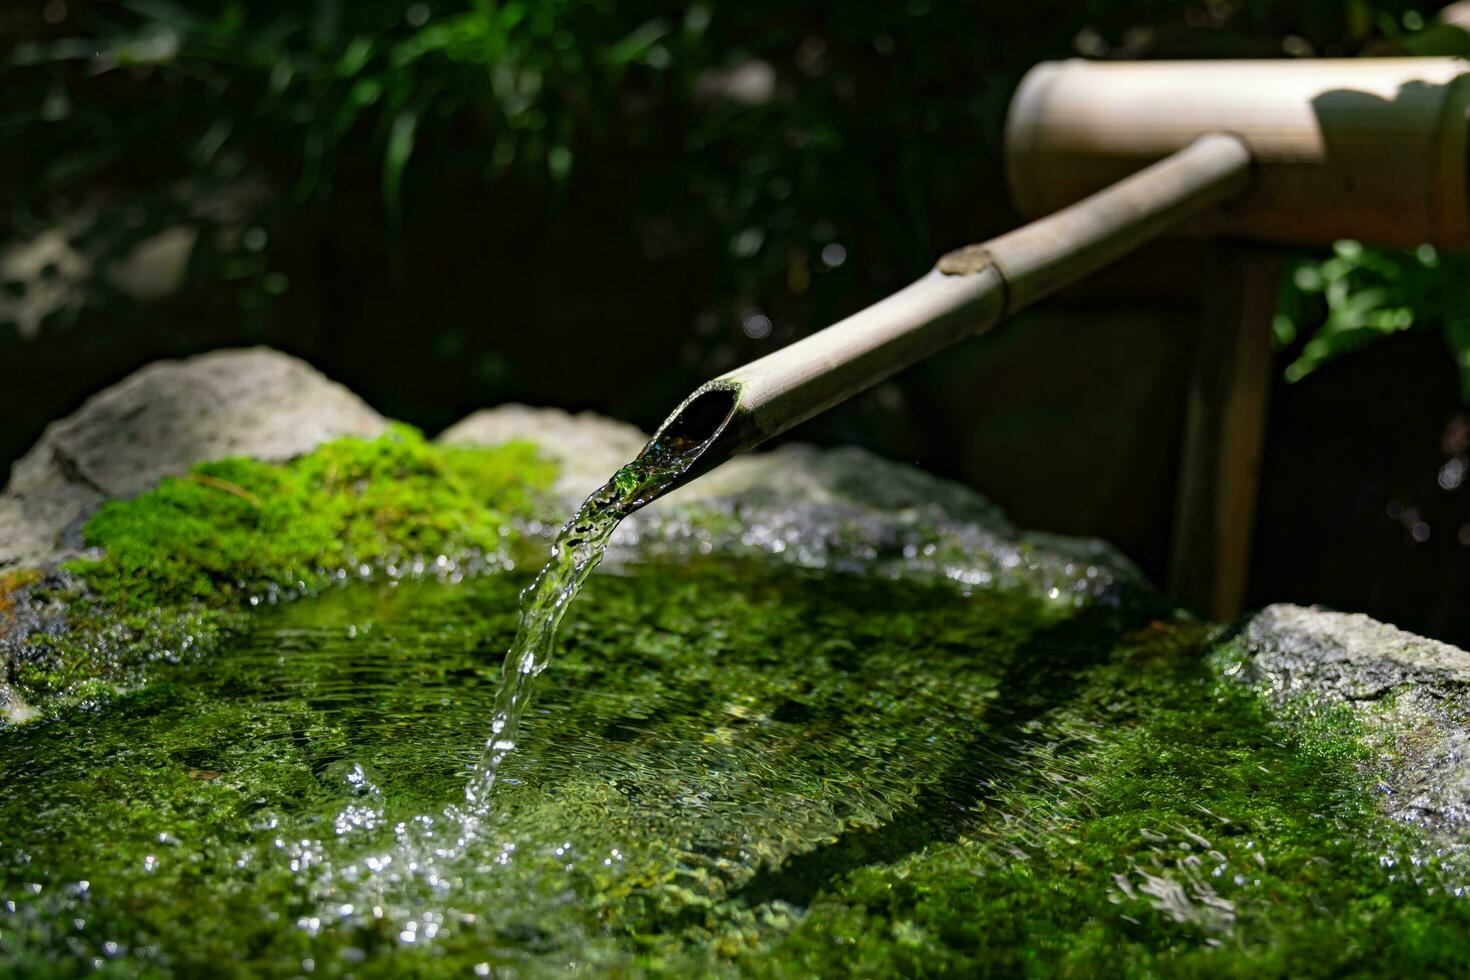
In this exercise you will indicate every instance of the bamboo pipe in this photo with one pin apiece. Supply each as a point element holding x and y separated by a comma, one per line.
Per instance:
<point>968,291</point>
<point>1365,148</point>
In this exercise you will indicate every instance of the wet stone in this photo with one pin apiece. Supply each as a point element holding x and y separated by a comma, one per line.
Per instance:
<point>841,509</point>
<point>1409,698</point>
<point>818,714</point>
<point>158,422</point>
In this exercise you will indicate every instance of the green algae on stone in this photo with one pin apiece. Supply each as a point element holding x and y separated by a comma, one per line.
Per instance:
<point>1167,824</point>
<point>241,524</point>
<point>1405,698</point>
<point>734,769</point>
<point>182,562</point>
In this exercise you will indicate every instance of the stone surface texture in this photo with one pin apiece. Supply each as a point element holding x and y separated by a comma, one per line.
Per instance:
<point>1408,694</point>
<point>159,421</point>
<point>587,447</point>
<point>838,509</point>
<point>844,509</point>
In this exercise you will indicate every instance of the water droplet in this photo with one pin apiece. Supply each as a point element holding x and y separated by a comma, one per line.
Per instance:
<point>756,325</point>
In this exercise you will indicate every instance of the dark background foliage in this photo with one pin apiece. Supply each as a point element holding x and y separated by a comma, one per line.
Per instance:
<point>456,203</point>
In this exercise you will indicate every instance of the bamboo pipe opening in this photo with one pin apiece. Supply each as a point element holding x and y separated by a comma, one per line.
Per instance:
<point>700,418</point>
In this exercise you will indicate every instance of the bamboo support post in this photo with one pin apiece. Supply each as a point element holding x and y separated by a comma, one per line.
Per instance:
<point>1224,432</point>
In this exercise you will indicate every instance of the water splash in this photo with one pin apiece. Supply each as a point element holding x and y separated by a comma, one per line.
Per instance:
<point>578,549</point>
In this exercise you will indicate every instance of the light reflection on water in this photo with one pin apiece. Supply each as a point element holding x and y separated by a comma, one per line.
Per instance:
<point>722,755</point>
<point>577,551</point>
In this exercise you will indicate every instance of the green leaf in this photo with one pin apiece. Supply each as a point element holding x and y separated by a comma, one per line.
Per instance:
<point>359,50</point>
<point>636,44</point>
<point>395,159</point>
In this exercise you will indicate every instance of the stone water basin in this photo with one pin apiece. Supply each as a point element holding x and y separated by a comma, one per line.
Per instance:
<point>818,715</point>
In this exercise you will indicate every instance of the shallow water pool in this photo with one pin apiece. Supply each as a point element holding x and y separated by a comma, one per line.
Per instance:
<point>729,768</point>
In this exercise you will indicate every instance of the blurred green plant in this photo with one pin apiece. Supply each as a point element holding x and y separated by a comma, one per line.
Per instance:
<point>147,114</point>
<point>165,113</point>
<point>1357,296</point>
<point>798,158</point>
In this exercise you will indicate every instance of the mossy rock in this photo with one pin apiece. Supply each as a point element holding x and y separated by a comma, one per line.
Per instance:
<point>1407,699</point>
<point>822,715</point>
<point>158,422</point>
<point>166,555</point>
<point>169,570</point>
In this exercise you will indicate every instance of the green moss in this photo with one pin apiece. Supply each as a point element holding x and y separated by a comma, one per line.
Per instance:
<point>1328,731</point>
<point>1168,825</point>
<point>757,772</point>
<point>239,524</point>
<point>180,563</point>
<point>731,768</point>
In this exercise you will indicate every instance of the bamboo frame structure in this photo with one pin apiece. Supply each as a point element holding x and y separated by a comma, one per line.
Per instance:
<point>969,291</point>
<point>1365,148</point>
<point>1117,154</point>
<point>1223,439</point>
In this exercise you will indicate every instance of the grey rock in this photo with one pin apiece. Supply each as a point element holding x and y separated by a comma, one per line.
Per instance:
<point>843,509</point>
<point>13,709</point>
<point>848,510</point>
<point>158,422</point>
<point>587,447</point>
<point>1408,695</point>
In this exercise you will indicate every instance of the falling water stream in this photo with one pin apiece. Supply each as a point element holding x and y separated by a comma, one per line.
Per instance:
<point>578,549</point>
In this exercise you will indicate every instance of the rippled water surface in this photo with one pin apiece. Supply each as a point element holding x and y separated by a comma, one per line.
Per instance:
<point>732,768</point>
<point>578,550</point>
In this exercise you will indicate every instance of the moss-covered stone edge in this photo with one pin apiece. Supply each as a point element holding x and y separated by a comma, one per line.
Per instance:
<point>177,568</point>
<point>953,909</point>
<point>167,573</point>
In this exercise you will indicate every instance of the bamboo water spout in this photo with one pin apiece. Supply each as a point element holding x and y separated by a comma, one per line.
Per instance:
<point>968,291</point>
<point>1279,151</point>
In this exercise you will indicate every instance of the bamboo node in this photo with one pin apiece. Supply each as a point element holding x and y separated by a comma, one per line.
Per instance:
<point>965,261</point>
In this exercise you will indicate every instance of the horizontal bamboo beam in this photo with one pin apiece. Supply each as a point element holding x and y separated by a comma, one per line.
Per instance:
<point>1365,148</point>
